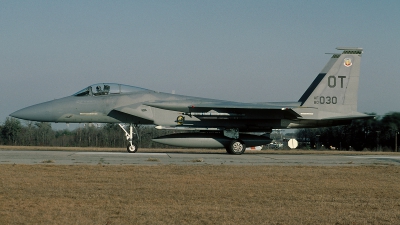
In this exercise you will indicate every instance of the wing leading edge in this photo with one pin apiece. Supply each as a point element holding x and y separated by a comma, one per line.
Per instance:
<point>272,110</point>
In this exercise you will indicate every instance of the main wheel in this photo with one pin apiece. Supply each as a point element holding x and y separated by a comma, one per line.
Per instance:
<point>236,147</point>
<point>228,150</point>
<point>132,148</point>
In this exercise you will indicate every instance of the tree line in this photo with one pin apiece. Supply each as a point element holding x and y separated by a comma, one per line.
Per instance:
<point>379,133</point>
<point>374,134</point>
<point>107,135</point>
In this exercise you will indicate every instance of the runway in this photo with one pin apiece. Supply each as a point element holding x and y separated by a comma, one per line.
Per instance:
<point>122,158</point>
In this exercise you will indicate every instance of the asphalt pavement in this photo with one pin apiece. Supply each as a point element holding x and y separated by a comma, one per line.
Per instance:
<point>123,158</point>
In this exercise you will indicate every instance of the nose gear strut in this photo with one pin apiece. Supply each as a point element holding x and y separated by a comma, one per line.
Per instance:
<point>133,145</point>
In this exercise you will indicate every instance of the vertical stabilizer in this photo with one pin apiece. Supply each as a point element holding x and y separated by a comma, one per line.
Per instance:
<point>335,89</point>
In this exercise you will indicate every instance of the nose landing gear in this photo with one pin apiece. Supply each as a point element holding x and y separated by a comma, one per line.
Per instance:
<point>133,145</point>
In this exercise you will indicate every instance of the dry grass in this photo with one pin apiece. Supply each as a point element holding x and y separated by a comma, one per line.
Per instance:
<point>50,194</point>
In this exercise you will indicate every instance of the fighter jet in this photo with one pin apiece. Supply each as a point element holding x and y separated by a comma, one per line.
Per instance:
<point>330,100</point>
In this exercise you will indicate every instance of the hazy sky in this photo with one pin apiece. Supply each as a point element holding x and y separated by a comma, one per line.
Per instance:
<point>249,51</point>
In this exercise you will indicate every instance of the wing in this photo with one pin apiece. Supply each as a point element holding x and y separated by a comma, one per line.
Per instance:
<point>271,110</point>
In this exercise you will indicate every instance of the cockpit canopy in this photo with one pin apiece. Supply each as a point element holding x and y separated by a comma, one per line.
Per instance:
<point>107,89</point>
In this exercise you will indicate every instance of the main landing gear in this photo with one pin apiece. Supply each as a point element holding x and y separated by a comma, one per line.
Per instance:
<point>236,146</point>
<point>132,146</point>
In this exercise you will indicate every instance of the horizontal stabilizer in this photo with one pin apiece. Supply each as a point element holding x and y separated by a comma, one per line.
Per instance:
<point>350,117</point>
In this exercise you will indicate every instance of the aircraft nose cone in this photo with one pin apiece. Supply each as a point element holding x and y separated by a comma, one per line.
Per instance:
<point>20,114</point>
<point>40,112</point>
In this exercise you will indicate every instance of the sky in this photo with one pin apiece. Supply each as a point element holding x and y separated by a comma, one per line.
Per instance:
<point>247,51</point>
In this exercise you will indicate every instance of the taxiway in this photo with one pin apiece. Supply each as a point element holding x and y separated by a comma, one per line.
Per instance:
<point>122,158</point>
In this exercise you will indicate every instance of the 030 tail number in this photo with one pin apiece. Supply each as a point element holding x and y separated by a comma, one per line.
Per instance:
<point>325,100</point>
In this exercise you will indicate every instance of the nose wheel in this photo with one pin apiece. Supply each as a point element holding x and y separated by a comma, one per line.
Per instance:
<point>132,146</point>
